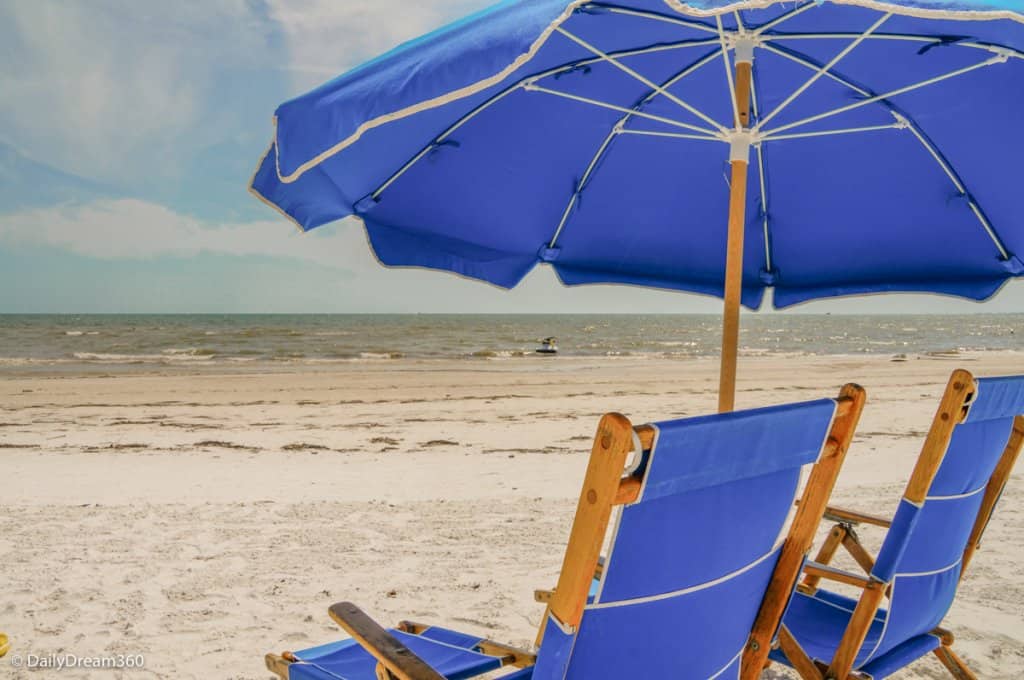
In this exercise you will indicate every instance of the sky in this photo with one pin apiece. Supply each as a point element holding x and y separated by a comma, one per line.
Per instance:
<point>128,135</point>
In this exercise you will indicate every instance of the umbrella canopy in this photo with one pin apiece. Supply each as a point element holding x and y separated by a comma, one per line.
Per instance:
<point>880,142</point>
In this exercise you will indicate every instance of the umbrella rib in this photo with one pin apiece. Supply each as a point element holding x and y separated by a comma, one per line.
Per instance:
<point>842,131</point>
<point>995,48</point>
<point>618,128</point>
<point>962,188</point>
<point>827,67</point>
<point>515,87</point>
<point>530,87</point>
<point>891,93</point>
<point>915,129</point>
<point>674,135</point>
<point>762,181</point>
<point>808,63</point>
<point>643,79</point>
<point>440,138</point>
<point>728,74</point>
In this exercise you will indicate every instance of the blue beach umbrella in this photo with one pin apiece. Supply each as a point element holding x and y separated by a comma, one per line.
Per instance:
<point>818,149</point>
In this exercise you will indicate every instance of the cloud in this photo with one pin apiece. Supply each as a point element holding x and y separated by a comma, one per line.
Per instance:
<point>327,37</point>
<point>122,92</point>
<point>172,102</point>
<point>132,229</point>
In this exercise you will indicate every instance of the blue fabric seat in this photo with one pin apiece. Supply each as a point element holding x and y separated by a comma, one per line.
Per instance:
<point>689,561</point>
<point>818,621</point>
<point>921,557</point>
<point>449,652</point>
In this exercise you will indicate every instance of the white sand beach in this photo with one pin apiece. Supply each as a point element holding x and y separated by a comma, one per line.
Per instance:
<point>203,520</point>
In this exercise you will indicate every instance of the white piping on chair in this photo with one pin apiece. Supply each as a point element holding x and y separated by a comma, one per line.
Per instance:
<point>958,496</point>
<point>892,596</point>
<point>634,465</point>
<point>885,628</point>
<point>724,668</point>
<point>685,591</point>
<point>621,510</point>
<point>933,572</point>
<point>877,617</point>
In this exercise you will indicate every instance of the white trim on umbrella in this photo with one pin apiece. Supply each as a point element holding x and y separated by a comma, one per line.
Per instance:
<point>521,84</point>
<point>675,5</point>
<point>443,136</point>
<point>878,5</point>
<point>729,41</point>
<point>800,9</point>
<point>629,11</point>
<point>741,42</point>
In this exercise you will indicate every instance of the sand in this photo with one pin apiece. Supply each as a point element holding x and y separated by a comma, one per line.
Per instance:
<point>203,520</point>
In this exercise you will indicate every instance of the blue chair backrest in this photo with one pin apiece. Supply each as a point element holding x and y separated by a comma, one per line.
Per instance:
<point>923,549</point>
<point>690,560</point>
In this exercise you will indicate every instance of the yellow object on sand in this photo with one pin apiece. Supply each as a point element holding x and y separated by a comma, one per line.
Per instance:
<point>5,645</point>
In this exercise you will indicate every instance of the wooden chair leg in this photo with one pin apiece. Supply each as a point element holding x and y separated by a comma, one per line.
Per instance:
<point>825,555</point>
<point>954,664</point>
<point>802,663</point>
<point>278,664</point>
<point>994,490</point>
<point>856,630</point>
<point>797,545</point>
<point>853,546</point>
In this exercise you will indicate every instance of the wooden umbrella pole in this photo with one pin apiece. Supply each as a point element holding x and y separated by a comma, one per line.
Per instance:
<point>734,252</point>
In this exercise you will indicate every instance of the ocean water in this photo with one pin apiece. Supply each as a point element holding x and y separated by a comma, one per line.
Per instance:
<point>126,341</point>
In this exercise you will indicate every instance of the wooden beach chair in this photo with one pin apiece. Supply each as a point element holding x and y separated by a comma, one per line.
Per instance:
<point>967,457</point>
<point>697,575</point>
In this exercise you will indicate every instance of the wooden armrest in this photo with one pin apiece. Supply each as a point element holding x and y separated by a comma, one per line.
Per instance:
<point>833,574</point>
<point>396,658</point>
<point>629,486</point>
<point>837,514</point>
<point>944,635</point>
<point>509,655</point>
<point>544,596</point>
<point>278,665</point>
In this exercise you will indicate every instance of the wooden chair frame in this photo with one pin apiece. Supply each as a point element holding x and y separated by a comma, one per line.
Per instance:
<point>605,487</point>
<point>951,412</point>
